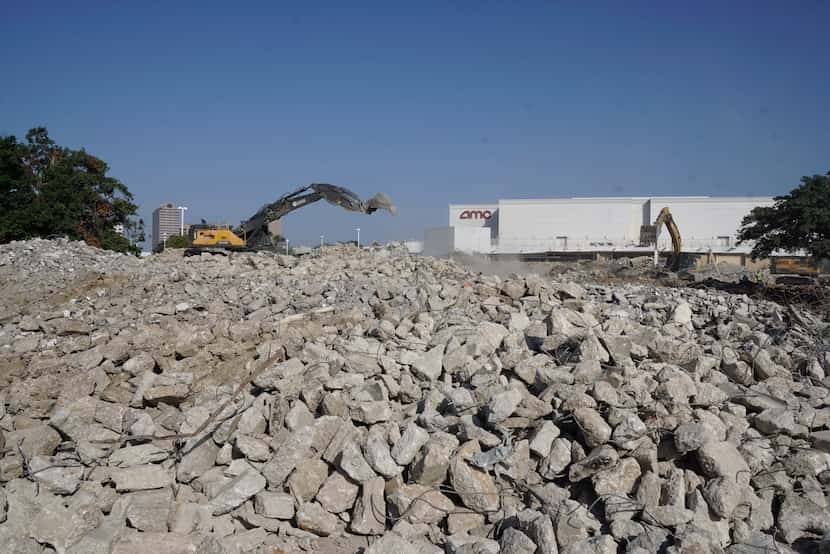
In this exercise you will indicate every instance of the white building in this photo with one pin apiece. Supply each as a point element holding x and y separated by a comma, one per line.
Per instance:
<point>166,223</point>
<point>516,226</point>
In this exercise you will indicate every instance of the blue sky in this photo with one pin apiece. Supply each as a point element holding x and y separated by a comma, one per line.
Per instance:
<point>225,106</point>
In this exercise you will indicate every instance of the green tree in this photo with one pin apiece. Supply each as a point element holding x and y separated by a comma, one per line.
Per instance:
<point>47,189</point>
<point>177,241</point>
<point>16,191</point>
<point>798,220</point>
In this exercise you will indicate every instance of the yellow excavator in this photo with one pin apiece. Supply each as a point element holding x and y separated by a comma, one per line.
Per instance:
<point>665,218</point>
<point>650,233</point>
<point>253,234</point>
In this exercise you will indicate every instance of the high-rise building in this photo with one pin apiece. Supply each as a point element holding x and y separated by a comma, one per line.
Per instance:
<point>166,222</point>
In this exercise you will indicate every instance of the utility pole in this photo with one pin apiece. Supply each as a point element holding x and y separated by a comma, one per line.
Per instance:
<point>182,208</point>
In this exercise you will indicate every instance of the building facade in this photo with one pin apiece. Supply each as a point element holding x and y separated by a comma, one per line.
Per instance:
<point>167,222</point>
<point>517,226</point>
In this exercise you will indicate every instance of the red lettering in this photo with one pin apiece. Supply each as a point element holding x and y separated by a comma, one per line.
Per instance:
<point>475,214</point>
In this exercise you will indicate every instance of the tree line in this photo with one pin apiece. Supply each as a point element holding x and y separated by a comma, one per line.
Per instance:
<point>50,190</point>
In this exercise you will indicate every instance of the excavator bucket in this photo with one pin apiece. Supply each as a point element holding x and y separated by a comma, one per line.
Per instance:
<point>347,199</point>
<point>381,201</point>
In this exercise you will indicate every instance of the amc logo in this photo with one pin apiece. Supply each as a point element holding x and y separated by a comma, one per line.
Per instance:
<point>475,214</point>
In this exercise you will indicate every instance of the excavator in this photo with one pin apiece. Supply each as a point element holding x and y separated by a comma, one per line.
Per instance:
<point>665,218</point>
<point>650,233</point>
<point>252,234</point>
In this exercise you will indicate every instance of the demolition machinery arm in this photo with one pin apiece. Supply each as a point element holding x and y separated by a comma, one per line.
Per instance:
<point>665,218</point>
<point>256,228</point>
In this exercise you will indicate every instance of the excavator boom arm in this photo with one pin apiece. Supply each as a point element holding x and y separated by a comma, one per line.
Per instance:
<point>256,228</point>
<point>665,218</point>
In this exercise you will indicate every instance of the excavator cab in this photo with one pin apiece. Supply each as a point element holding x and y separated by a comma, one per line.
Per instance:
<point>217,237</point>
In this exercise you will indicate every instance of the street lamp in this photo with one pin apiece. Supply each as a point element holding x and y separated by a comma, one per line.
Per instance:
<point>182,208</point>
<point>358,236</point>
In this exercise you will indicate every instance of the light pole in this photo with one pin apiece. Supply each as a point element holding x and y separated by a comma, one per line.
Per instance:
<point>182,208</point>
<point>358,236</point>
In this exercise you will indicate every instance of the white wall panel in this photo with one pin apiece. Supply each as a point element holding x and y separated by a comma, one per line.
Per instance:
<point>582,221</point>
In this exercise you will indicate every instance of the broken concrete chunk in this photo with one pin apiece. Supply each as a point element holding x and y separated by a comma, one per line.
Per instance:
<point>275,505</point>
<point>412,439</point>
<point>417,503</point>
<point>476,488</point>
<point>298,417</point>
<point>138,478</point>
<point>236,490</point>
<point>600,459</point>
<point>57,475</point>
<point>337,494</point>
<point>502,405</point>
<point>352,463</point>
<point>594,428</point>
<point>292,452</point>
<point>254,449</point>
<point>429,365</point>
<point>543,438</point>
<point>514,541</point>
<point>307,479</point>
<point>313,518</point>
<point>799,517</point>
<point>369,516</point>
<point>722,459</point>
<point>618,480</point>
<point>150,510</point>
<point>432,462</point>
<point>372,412</point>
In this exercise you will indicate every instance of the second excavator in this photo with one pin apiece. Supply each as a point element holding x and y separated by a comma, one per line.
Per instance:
<point>665,218</point>
<point>649,234</point>
<point>253,234</point>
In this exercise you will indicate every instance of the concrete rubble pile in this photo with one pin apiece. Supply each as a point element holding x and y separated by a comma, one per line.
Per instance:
<point>367,400</point>
<point>641,268</point>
